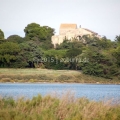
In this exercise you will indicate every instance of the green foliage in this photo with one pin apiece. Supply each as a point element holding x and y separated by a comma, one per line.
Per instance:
<point>1,35</point>
<point>8,53</point>
<point>116,54</point>
<point>104,44</point>
<point>15,38</point>
<point>117,38</point>
<point>53,57</point>
<point>101,63</point>
<point>36,32</point>
<point>92,69</point>
<point>70,45</point>
<point>39,33</point>
<point>55,53</point>
<point>73,52</point>
<point>29,30</point>
<point>29,53</point>
<point>46,45</point>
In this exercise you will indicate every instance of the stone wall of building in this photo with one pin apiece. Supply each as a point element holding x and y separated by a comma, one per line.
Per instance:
<point>70,31</point>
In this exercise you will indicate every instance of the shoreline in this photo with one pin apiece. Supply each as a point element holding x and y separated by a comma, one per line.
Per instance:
<point>58,83</point>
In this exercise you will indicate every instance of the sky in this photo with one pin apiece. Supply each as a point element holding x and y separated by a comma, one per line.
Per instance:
<point>101,16</point>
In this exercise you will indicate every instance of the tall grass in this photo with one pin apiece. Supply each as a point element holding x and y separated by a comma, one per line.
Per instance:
<point>65,107</point>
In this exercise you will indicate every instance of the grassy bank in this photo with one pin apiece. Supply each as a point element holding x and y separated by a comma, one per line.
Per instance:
<point>44,75</point>
<point>66,107</point>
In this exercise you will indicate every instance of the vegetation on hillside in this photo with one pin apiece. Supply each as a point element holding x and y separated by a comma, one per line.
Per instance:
<point>97,56</point>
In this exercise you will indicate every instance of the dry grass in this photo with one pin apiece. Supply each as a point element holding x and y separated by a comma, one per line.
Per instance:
<point>65,107</point>
<point>45,75</point>
<point>36,71</point>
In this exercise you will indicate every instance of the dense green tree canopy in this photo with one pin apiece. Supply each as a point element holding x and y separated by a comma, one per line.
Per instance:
<point>15,38</point>
<point>73,52</point>
<point>36,32</point>
<point>8,53</point>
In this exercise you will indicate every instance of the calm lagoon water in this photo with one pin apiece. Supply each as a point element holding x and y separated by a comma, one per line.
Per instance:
<point>91,91</point>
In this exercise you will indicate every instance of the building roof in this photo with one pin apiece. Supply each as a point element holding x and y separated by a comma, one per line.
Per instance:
<point>90,31</point>
<point>68,26</point>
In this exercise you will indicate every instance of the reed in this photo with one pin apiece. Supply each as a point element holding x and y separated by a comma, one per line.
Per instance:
<point>57,107</point>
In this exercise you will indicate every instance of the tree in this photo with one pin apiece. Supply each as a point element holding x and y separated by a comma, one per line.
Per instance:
<point>29,29</point>
<point>30,53</point>
<point>36,32</point>
<point>15,38</point>
<point>117,38</point>
<point>116,54</point>
<point>69,45</point>
<point>53,58</point>
<point>73,52</point>
<point>1,35</point>
<point>8,53</point>
<point>94,69</point>
<point>39,33</point>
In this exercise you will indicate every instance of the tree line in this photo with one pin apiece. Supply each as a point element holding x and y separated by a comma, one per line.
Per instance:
<point>96,56</point>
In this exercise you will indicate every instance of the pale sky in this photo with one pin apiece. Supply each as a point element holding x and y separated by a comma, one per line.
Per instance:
<point>101,16</point>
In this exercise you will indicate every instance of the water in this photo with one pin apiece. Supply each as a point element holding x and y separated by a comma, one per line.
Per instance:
<point>91,91</point>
